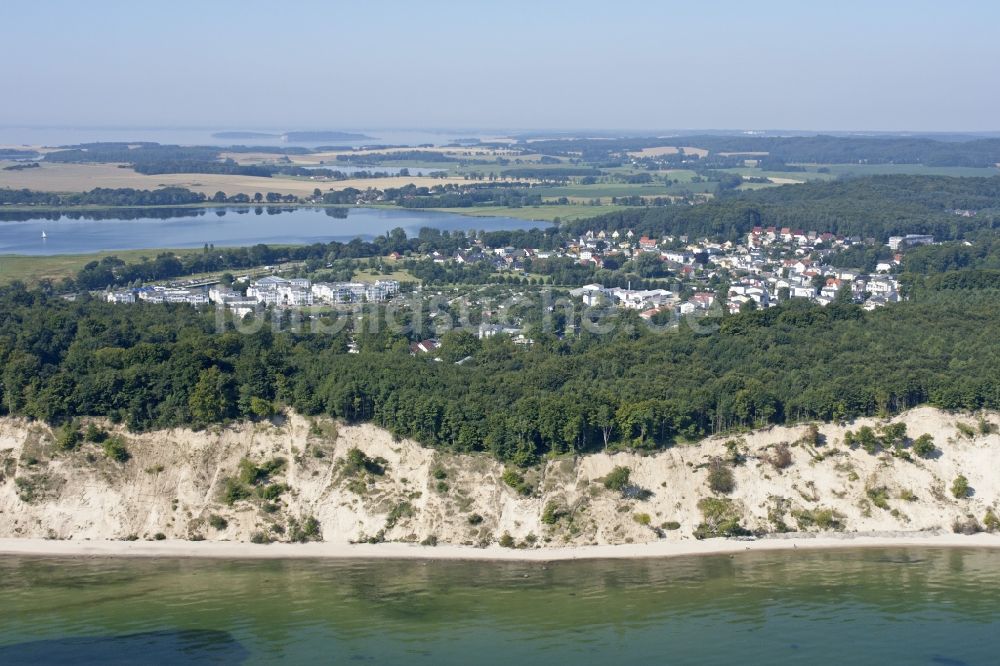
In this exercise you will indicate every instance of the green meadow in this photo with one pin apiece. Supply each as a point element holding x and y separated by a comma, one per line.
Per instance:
<point>32,269</point>
<point>540,213</point>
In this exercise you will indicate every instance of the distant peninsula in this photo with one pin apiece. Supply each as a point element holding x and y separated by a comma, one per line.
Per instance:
<point>323,136</point>
<point>244,135</point>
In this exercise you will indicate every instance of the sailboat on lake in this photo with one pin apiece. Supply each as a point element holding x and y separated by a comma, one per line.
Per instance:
<point>44,235</point>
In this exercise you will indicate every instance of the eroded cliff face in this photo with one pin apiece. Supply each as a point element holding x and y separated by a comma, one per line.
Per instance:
<point>194,485</point>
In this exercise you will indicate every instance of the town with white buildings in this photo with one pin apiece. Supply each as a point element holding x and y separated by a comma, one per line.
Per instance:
<point>768,266</point>
<point>271,290</point>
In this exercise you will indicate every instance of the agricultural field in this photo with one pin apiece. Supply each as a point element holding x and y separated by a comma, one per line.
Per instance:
<point>779,177</point>
<point>62,177</point>
<point>668,150</point>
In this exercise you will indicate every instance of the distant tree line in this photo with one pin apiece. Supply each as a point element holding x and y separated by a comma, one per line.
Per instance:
<point>551,173</point>
<point>228,167</point>
<point>22,166</point>
<point>427,156</point>
<point>17,154</point>
<point>167,196</point>
<point>872,207</point>
<point>780,150</point>
<point>148,152</point>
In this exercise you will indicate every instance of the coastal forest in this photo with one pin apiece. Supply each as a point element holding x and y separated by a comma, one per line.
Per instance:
<point>156,366</point>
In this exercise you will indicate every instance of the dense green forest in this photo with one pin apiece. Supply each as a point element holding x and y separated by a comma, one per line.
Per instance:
<point>984,253</point>
<point>951,266</point>
<point>872,207</point>
<point>159,366</point>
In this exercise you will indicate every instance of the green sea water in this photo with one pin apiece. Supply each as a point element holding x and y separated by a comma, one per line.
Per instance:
<point>887,606</point>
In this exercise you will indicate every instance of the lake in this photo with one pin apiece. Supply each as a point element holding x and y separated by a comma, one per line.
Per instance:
<point>886,606</point>
<point>81,233</point>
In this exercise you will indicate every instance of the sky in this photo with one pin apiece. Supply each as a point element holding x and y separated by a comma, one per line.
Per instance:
<point>882,65</point>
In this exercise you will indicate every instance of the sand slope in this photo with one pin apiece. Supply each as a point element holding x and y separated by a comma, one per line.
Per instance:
<point>174,480</point>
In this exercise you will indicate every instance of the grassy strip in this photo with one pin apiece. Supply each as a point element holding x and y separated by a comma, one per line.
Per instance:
<point>539,213</point>
<point>32,269</point>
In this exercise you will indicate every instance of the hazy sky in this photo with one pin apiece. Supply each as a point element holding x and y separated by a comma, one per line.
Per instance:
<point>845,65</point>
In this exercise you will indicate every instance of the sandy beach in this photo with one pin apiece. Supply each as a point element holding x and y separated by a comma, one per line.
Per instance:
<point>176,548</point>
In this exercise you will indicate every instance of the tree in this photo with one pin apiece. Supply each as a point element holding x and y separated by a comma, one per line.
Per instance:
<point>20,376</point>
<point>260,408</point>
<point>602,415</point>
<point>637,421</point>
<point>457,345</point>
<point>818,282</point>
<point>212,397</point>
<point>68,437</point>
<point>894,436</point>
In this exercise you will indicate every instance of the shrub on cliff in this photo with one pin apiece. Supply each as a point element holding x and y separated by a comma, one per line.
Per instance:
<point>114,448</point>
<point>923,446</point>
<point>618,478</point>
<point>960,487</point>
<point>720,478</point>
<point>720,517</point>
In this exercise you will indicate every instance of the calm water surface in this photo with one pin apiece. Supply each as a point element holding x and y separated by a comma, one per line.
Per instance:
<point>202,136</point>
<point>78,233</point>
<point>913,606</point>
